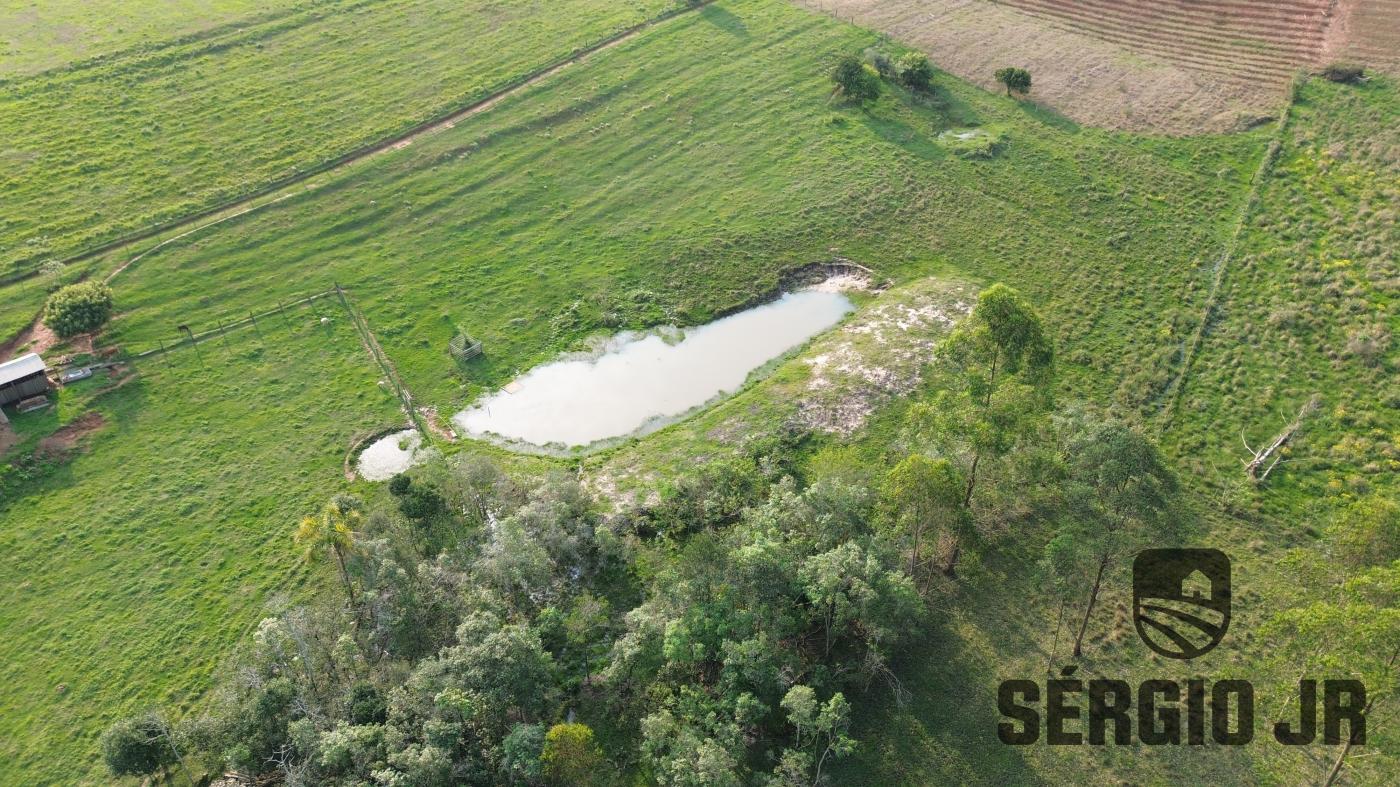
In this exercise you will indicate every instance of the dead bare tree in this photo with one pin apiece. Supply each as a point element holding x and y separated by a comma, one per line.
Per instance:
<point>1258,459</point>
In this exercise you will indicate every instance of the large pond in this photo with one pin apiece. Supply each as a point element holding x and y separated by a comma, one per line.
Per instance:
<point>641,382</point>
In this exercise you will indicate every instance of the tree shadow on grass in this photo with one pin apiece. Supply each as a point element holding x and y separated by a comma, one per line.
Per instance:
<point>724,20</point>
<point>1048,116</point>
<point>916,141</point>
<point>945,734</point>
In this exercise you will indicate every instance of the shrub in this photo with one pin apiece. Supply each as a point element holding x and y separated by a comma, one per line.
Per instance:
<point>421,503</point>
<point>399,484</point>
<point>366,704</point>
<point>1017,79</point>
<point>136,747</point>
<point>881,62</point>
<point>1346,73</point>
<point>854,80</point>
<point>78,308</point>
<point>914,70</point>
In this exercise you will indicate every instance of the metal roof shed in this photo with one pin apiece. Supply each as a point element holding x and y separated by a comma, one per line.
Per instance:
<point>22,378</point>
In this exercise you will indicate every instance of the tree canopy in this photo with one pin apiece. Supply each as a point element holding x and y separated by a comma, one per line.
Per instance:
<point>78,308</point>
<point>1015,79</point>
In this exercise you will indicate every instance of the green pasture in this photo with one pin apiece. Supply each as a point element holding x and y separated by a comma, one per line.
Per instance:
<point>115,146</point>
<point>132,567</point>
<point>670,178</point>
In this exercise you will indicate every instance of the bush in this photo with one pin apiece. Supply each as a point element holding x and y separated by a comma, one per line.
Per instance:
<point>399,484</point>
<point>136,747</point>
<point>367,704</point>
<point>914,70</point>
<point>1346,73</point>
<point>854,80</point>
<point>881,62</point>
<point>1017,79</point>
<point>78,308</point>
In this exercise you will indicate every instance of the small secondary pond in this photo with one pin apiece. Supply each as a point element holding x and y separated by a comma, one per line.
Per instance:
<point>641,382</point>
<point>389,455</point>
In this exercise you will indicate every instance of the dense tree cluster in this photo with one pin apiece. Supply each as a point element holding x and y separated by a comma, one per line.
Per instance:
<point>720,632</point>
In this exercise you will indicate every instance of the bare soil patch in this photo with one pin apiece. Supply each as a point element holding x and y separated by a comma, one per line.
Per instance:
<point>1133,81</point>
<point>37,338</point>
<point>8,439</point>
<point>66,439</point>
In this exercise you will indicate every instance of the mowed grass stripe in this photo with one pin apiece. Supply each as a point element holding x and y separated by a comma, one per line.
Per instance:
<point>123,145</point>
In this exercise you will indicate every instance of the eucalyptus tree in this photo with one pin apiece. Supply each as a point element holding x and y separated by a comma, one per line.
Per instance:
<point>924,496</point>
<point>1121,496</point>
<point>996,372</point>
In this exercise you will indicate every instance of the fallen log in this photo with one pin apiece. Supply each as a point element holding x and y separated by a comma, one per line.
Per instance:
<point>1259,458</point>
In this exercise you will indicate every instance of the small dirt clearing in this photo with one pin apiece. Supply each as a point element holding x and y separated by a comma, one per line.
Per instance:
<point>66,439</point>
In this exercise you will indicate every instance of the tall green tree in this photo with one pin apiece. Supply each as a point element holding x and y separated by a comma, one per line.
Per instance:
<point>333,531</point>
<point>1121,493</point>
<point>1062,572</point>
<point>1345,615</point>
<point>854,81</point>
<point>138,746</point>
<point>999,369</point>
<point>1353,630</point>
<point>923,496</point>
<point>820,735</point>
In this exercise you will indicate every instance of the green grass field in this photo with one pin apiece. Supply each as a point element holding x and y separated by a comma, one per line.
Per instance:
<point>140,561</point>
<point>690,205</point>
<point>37,38</point>
<point>1309,307</point>
<point>669,178</point>
<point>152,134</point>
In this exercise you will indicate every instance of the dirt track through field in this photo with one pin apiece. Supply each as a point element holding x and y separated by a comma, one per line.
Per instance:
<point>250,203</point>
<point>279,191</point>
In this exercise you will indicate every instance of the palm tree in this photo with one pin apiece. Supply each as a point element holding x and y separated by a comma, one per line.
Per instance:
<point>333,530</point>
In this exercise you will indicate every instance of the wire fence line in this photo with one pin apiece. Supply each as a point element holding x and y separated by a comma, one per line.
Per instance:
<point>188,337</point>
<point>283,314</point>
<point>390,373</point>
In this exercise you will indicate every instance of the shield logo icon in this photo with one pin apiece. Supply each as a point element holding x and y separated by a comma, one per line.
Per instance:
<point>1181,600</point>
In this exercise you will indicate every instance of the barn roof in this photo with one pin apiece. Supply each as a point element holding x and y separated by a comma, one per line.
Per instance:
<point>21,367</point>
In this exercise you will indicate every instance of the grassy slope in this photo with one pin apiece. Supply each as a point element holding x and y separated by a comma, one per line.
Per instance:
<point>36,38</point>
<point>1313,269</point>
<point>655,168</point>
<point>1315,276</point>
<point>98,151</point>
<point>150,553</point>
<point>649,184</point>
